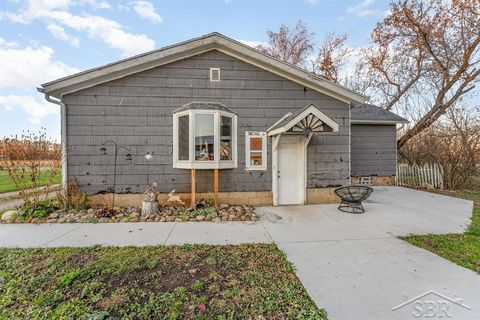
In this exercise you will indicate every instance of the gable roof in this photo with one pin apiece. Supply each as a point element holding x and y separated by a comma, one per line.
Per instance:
<point>368,113</point>
<point>291,119</point>
<point>182,50</point>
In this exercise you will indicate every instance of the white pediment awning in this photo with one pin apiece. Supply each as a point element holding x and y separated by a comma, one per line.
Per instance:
<point>308,120</point>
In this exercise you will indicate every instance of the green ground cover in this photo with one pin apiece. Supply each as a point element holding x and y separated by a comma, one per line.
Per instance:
<point>187,282</point>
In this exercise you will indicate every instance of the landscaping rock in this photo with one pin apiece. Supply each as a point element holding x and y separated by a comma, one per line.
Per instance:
<point>54,215</point>
<point>224,212</point>
<point>135,215</point>
<point>6,216</point>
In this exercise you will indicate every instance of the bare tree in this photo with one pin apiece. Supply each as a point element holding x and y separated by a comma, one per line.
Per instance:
<point>453,143</point>
<point>427,51</point>
<point>331,57</point>
<point>289,45</point>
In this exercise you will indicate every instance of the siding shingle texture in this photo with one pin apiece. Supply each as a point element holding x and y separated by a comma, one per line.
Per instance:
<point>374,150</point>
<point>136,111</point>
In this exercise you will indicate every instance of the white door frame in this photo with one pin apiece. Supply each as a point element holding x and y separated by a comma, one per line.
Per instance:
<point>275,183</point>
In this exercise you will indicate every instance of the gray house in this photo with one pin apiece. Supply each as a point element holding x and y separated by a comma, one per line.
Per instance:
<point>212,114</point>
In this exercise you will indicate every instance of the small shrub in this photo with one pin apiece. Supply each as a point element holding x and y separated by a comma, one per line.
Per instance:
<point>38,210</point>
<point>74,199</point>
<point>32,162</point>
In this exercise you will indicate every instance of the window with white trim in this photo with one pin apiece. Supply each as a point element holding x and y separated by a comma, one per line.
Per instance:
<point>214,74</point>
<point>255,150</point>
<point>204,139</point>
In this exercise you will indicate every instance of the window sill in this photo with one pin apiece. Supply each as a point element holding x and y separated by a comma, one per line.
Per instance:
<point>206,165</point>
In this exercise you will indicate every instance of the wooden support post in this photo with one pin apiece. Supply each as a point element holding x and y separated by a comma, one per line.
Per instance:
<point>215,186</point>
<point>194,191</point>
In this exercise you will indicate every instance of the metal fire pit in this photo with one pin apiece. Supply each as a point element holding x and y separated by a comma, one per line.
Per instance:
<point>352,197</point>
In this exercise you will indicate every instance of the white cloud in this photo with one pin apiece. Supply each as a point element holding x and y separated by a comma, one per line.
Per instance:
<point>28,67</point>
<point>147,11</point>
<point>7,44</point>
<point>96,4</point>
<point>35,107</point>
<point>96,27</point>
<point>59,33</point>
<point>364,9</point>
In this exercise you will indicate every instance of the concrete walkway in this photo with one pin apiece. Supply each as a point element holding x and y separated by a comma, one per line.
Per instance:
<point>353,265</point>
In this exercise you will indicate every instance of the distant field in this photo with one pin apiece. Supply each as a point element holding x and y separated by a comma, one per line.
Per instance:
<point>7,185</point>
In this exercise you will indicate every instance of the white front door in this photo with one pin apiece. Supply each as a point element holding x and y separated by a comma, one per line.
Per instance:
<point>290,170</point>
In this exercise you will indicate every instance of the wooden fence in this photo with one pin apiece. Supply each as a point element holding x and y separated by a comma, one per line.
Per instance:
<point>419,176</point>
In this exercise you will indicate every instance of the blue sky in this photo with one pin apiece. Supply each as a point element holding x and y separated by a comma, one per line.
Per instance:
<point>41,40</point>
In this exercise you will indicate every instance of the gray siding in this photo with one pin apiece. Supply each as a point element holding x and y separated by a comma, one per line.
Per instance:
<point>137,111</point>
<point>374,150</point>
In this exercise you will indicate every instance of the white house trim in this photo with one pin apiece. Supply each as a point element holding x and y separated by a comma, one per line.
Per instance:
<point>255,134</point>
<point>311,109</point>
<point>194,164</point>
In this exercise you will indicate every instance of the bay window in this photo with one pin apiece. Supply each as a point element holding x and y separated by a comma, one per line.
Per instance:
<point>204,138</point>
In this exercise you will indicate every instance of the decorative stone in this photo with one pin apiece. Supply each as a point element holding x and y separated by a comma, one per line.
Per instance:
<point>135,215</point>
<point>103,220</point>
<point>54,215</point>
<point>170,218</point>
<point>223,206</point>
<point>134,219</point>
<point>178,220</point>
<point>6,216</point>
<point>51,221</point>
<point>217,219</point>
<point>62,220</point>
<point>200,218</point>
<point>163,220</point>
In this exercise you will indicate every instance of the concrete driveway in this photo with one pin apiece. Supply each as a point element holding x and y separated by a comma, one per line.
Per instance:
<point>353,265</point>
<point>356,268</point>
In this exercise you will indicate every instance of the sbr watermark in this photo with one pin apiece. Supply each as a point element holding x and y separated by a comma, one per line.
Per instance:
<point>432,305</point>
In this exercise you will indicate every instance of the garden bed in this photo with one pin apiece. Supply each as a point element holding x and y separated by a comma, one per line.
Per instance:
<point>224,212</point>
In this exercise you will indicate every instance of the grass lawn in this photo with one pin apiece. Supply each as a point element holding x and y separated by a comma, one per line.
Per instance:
<point>7,185</point>
<point>187,282</point>
<point>463,249</point>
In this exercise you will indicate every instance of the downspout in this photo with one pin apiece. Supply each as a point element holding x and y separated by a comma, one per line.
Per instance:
<point>63,135</point>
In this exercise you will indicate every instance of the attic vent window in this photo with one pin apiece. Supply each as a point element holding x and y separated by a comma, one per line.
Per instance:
<point>214,74</point>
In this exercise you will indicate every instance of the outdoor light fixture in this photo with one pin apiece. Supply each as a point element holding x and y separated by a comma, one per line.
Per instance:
<point>128,157</point>
<point>148,156</point>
